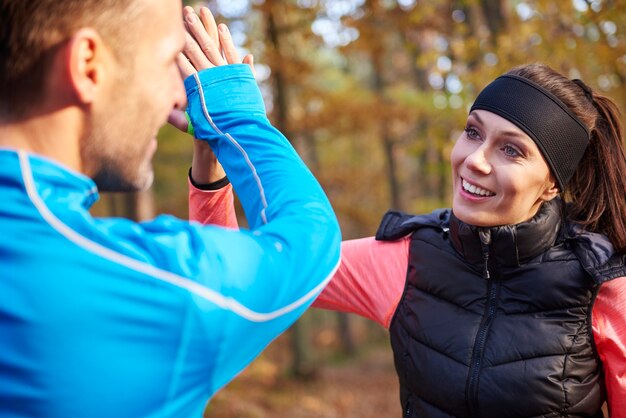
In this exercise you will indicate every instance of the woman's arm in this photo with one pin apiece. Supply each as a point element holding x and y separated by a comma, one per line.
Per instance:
<point>370,279</point>
<point>211,200</point>
<point>609,330</point>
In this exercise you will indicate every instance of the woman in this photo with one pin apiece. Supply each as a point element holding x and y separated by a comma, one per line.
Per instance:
<point>511,303</point>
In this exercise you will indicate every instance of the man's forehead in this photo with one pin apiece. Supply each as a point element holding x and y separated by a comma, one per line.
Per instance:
<point>162,22</point>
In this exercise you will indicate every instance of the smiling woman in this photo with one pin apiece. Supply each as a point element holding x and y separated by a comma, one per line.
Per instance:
<point>510,303</point>
<point>499,174</point>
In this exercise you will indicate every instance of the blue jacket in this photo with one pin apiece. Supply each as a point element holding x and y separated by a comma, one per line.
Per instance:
<point>112,318</point>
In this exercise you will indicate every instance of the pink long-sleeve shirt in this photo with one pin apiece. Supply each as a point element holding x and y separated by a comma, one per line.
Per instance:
<point>366,287</point>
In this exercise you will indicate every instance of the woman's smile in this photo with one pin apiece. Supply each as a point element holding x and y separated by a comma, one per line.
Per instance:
<point>474,191</point>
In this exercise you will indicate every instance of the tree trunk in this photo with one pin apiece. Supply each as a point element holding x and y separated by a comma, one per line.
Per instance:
<point>138,206</point>
<point>385,136</point>
<point>302,365</point>
<point>345,333</point>
<point>494,18</point>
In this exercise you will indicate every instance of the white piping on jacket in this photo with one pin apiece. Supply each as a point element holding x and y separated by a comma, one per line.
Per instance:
<point>236,144</point>
<point>225,302</point>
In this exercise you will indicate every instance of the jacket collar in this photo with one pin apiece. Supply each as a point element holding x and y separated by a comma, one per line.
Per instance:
<point>509,245</point>
<point>53,182</point>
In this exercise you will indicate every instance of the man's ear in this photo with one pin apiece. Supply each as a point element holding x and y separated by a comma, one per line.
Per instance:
<point>85,63</point>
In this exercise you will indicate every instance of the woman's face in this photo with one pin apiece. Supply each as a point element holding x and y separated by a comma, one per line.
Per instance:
<point>499,174</point>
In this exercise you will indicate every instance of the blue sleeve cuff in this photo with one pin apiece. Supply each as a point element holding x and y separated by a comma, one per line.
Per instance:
<point>227,88</point>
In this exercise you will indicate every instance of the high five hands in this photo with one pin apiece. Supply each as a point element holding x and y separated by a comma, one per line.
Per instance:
<point>207,45</point>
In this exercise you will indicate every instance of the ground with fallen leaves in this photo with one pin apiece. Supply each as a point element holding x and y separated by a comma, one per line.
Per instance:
<point>361,386</point>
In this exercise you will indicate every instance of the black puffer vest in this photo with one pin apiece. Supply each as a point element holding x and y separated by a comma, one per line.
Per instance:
<point>495,322</point>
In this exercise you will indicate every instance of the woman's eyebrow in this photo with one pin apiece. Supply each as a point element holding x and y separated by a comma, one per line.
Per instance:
<point>514,134</point>
<point>475,116</point>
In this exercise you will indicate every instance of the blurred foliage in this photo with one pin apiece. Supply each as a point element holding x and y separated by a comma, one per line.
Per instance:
<point>372,93</point>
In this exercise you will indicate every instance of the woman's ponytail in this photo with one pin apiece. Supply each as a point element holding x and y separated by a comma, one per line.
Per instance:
<point>596,193</point>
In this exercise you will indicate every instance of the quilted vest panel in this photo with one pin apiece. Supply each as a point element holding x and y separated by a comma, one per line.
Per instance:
<point>516,344</point>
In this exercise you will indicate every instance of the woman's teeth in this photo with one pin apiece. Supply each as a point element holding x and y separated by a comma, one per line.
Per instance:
<point>470,188</point>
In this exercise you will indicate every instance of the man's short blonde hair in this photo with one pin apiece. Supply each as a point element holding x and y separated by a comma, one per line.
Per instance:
<point>32,30</point>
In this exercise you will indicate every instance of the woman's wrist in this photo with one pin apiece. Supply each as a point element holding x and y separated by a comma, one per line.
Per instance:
<point>216,185</point>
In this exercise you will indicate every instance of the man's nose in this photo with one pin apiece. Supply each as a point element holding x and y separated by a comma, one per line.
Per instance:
<point>180,95</point>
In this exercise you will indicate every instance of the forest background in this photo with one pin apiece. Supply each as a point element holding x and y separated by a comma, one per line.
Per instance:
<point>373,94</point>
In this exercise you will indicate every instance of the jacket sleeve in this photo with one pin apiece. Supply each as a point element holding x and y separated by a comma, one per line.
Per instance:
<point>248,285</point>
<point>370,279</point>
<point>362,285</point>
<point>609,329</point>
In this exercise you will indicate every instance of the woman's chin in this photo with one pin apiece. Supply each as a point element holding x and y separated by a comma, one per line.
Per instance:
<point>474,216</point>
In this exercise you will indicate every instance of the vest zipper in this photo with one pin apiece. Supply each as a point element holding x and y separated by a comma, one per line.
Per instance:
<point>408,411</point>
<point>471,392</point>
<point>485,240</point>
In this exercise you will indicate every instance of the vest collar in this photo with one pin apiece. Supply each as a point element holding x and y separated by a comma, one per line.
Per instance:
<point>510,245</point>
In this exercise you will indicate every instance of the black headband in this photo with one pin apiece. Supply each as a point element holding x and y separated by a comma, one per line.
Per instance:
<point>559,134</point>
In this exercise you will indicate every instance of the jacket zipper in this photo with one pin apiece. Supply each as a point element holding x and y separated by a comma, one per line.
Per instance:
<point>471,392</point>
<point>408,410</point>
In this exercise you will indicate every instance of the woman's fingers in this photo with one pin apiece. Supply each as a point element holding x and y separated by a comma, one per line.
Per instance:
<point>230,52</point>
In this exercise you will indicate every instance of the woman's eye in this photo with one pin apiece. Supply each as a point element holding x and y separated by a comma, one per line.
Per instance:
<point>471,133</point>
<point>511,151</point>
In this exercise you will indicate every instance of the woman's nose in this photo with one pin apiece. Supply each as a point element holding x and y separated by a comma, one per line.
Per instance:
<point>478,160</point>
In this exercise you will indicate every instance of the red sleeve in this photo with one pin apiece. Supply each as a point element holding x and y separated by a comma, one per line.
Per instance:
<point>609,331</point>
<point>370,279</point>
<point>214,207</point>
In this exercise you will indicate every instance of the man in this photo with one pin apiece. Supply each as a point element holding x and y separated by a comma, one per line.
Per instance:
<point>107,317</point>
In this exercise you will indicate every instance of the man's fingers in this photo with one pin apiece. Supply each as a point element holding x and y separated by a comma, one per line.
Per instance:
<point>185,67</point>
<point>195,55</point>
<point>230,52</point>
<point>206,43</point>
<point>177,118</point>
<point>209,24</point>
<point>249,59</point>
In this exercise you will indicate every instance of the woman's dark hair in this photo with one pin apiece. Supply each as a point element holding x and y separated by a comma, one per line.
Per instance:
<point>596,193</point>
